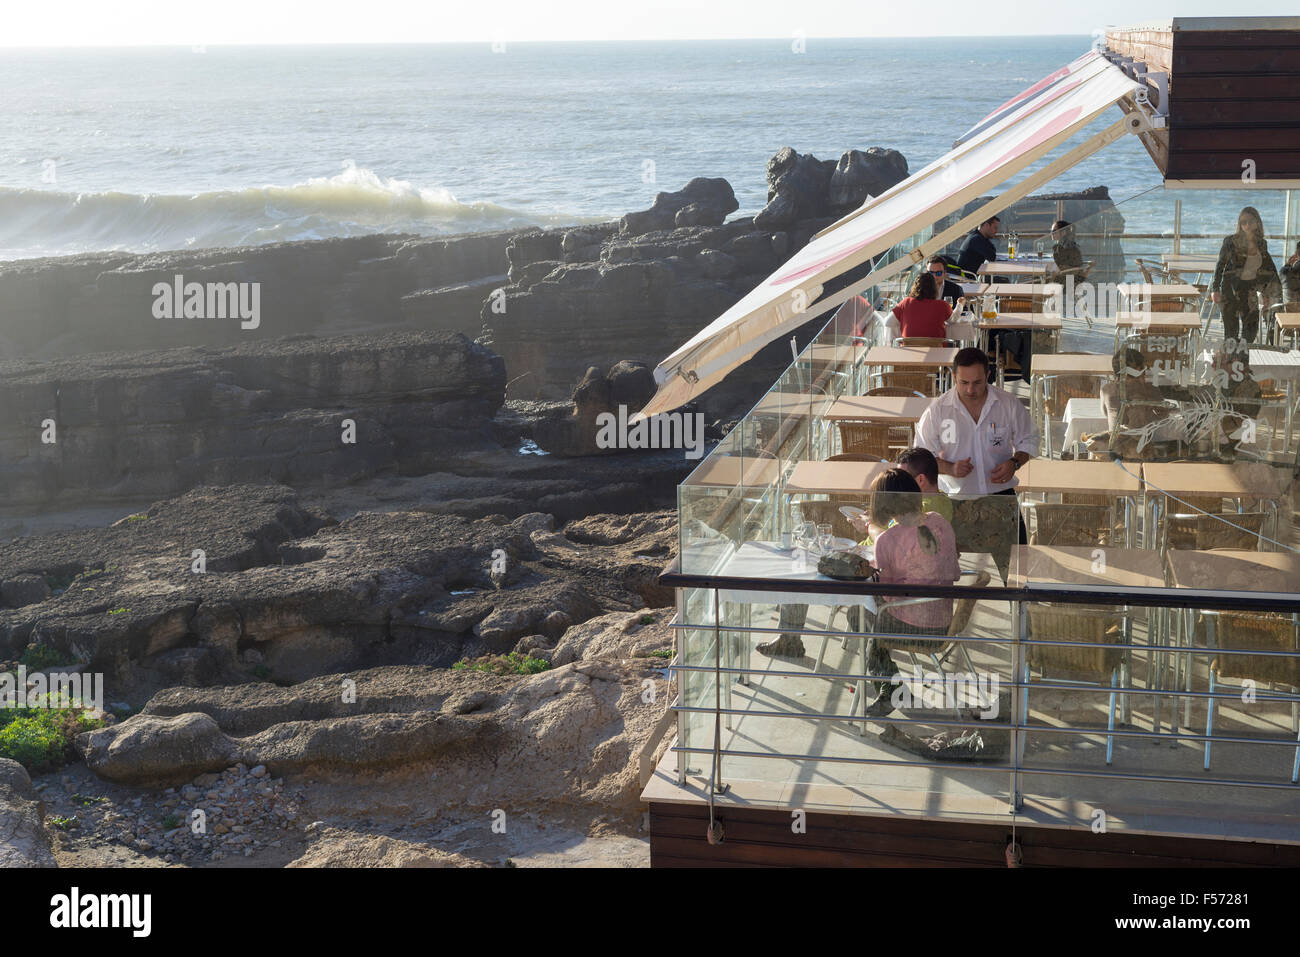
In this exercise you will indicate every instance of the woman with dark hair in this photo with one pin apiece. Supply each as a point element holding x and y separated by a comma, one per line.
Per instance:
<point>1244,269</point>
<point>923,313</point>
<point>920,548</point>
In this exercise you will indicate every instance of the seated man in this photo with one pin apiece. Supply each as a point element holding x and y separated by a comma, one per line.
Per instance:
<point>924,467</point>
<point>949,291</point>
<point>1065,251</point>
<point>977,248</point>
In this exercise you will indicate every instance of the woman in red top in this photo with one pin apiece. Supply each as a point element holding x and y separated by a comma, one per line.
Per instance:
<point>923,313</point>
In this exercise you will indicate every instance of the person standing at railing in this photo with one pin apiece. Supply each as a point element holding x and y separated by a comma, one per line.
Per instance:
<point>1244,270</point>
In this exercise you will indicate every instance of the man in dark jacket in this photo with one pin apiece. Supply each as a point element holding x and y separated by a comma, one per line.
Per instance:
<point>977,248</point>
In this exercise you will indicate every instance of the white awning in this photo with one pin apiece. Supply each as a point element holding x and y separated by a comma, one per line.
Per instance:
<point>1011,138</point>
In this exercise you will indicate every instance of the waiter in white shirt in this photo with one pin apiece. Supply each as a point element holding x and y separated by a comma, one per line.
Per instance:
<point>980,434</point>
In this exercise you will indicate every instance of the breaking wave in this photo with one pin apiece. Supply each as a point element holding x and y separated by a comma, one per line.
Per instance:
<point>357,201</point>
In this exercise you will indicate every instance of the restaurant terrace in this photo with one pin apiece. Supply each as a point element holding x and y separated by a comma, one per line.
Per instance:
<point>1122,689</point>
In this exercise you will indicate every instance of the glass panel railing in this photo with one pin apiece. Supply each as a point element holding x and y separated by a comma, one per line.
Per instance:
<point>1148,559</point>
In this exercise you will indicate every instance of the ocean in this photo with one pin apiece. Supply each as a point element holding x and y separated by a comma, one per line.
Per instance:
<point>173,148</point>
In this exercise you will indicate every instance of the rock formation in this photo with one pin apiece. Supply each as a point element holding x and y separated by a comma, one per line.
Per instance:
<point>23,842</point>
<point>289,594</point>
<point>118,427</point>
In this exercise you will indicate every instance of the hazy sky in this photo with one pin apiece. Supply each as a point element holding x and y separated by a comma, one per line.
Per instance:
<point>148,22</point>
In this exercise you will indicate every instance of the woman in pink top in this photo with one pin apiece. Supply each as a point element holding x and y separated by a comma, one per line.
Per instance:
<point>923,313</point>
<point>918,549</point>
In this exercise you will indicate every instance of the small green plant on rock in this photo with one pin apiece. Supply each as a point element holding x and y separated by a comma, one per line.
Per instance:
<point>170,822</point>
<point>38,657</point>
<point>63,823</point>
<point>661,653</point>
<point>41,739</point>
<point>647,619</point>
<point>513,663</point>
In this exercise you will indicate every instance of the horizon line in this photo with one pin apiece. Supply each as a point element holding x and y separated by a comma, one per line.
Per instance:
<point>507,40</point>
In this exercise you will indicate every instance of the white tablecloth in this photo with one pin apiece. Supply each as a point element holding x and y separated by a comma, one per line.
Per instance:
<point>769,560</point>
<point>1082,415</point>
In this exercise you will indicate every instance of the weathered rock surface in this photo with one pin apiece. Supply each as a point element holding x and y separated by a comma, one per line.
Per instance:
<point>23,842</point>
<point>289,594</point>
<point>121,426</point>
<point>567,736</point>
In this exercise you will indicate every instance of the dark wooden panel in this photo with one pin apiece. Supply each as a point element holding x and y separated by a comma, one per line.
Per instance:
<point>1188,40</point>
<point>1227,166</point>
<point>1187,114</point>
<point>763,838</point>
<point>1244,142</point>
<point>1275,59</point>
<point>1268,86</point>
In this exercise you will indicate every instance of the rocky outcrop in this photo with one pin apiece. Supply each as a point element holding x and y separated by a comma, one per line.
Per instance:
<point>627,384</point>
<point>287,594</point>
<point>701,202</point>
<point>121,426</point>
<point>23,842</point>
<point>800,186</point>
<point>567,736</point>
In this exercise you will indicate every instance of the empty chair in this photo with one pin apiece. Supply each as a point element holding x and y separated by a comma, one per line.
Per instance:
<point>925,383</point>
<point>828,513</point>
<point>1100,626</point>
<point>853,457</point>
<point>1071,524</point>
<point>926,342</point>
<point>1152,271</point>
<point>896,392</point>
<point>1256,631</point>
<point>1233,530</point>
<point>880,439</point>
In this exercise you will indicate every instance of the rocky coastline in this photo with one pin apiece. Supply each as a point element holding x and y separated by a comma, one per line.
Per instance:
<point>306,555</point>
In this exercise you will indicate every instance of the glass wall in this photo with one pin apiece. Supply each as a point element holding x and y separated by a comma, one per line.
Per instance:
<point>1120,634</point>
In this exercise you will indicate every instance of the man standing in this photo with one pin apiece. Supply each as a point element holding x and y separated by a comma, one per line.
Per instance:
<point>980,435</point>
<point>978,249</point>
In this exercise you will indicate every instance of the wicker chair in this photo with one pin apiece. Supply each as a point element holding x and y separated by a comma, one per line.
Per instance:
<point>1016,303</point>
<point>880,439</point>
<point>1256,631</point>
<point>925,342</point>
<point>853,457</point>
<point>1069,623</point>
<point>1205,532</point>
<point>1067,387</point>
<point>896,392</point>
<point>828,513</point>
<point>925,383</point>
<point>1071,524</point>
